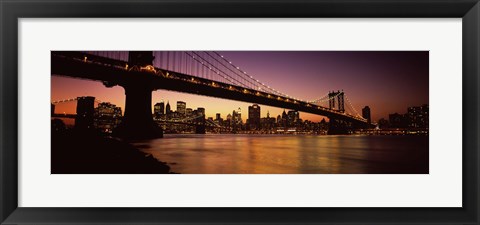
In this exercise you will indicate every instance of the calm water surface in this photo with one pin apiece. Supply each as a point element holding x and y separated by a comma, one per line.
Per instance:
<point>289,154</point>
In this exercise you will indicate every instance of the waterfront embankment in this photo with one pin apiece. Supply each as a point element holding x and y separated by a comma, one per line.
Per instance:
<point>75,152</point>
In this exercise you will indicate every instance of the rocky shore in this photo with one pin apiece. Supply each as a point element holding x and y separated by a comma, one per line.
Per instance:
<point>75,152</point>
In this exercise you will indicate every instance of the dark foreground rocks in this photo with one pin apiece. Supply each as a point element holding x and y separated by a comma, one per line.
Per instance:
<point>75,152</point>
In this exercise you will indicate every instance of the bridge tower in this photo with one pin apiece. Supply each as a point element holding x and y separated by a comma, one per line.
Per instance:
<point>85,111</point>
<point>341,102</point>
<point>339,97</point>
<point>138,120</point>
<point>331,100</point>
<point>336,125</point>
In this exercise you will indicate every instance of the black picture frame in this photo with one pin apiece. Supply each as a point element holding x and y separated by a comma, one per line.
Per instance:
<point>12,10</point>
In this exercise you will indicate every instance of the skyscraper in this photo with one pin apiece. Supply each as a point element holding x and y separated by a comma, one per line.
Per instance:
<point>366,114</point>
<point>181,108</point>
<point>284,119</point>
<point>254,116</point>
<point>159,109</point>
<point>201,111</point>
<point>237,116</point>
<point>188,112</point>
<point>418,116</point>
<point>293,117</point>
<point>107,117</point>
<point>167,108</point>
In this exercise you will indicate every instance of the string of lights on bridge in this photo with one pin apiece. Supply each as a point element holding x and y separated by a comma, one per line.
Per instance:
<point>176,61</point>
<point>71,100</point>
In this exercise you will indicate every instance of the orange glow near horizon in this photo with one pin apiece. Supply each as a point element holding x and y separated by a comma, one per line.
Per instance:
<point>386,81</point>
<point>65,86</point>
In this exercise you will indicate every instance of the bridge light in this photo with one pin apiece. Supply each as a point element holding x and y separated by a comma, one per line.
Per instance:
<point>126,66</point>
<point>85,59</point>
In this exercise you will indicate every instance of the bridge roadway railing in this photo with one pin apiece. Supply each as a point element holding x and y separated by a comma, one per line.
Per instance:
<point>118,64</point>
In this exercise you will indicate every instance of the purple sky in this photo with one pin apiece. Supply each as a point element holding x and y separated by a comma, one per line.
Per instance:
<point>388,82</point>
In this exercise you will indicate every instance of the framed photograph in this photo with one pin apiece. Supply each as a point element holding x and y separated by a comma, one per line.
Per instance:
<point>318,112</point>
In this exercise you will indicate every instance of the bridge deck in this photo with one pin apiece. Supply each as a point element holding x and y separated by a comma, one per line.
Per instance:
<point>115,72</point>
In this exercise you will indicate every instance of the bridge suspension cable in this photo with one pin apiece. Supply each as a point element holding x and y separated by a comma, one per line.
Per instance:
<point>210,65</point>
<point>324,98</point>
<point>232,80</point>
<point>245,74</point>
<point>353,108</point>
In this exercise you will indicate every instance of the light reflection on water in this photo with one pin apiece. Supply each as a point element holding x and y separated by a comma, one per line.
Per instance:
<point>289,154</point>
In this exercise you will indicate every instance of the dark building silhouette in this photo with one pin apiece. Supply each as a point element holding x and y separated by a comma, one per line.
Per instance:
<point>366,114</point>
<point>383,123</point>
<point>181,108</point>
<point>284,122</point>
<point>188,112</point>
<point>268,122</point>
<point>398,120</point>
<point>200,129</point>
<point>167,109</point>
<point>254,116</point>
<point>85,112</point>
<point>58,125</point>
<point>293,117</point>
<point>201,111</point>
<point>159,109</point>
<point>418,116</point>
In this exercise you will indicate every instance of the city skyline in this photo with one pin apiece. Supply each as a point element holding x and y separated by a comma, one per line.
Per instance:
<point>117,125</point>
<point>368,79</point>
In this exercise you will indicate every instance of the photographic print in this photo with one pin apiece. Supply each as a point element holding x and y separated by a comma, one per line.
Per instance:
<point>239,112</point>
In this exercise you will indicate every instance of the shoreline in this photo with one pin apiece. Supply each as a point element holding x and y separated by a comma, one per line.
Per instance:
<point>88,152</point>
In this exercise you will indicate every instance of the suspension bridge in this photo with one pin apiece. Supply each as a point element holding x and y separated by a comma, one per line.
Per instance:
<point>195,72</point>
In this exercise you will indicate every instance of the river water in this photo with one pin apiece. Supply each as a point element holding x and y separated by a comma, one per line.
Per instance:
<point>290,154</point>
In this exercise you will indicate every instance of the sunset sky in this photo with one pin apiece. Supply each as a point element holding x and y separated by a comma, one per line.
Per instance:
<point>387,82</point>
